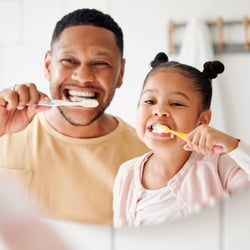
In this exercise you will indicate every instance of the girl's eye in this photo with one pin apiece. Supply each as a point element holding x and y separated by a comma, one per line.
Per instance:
<point>176,104</point>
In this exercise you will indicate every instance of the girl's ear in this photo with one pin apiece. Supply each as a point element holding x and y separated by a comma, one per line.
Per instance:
<point>205,117</point>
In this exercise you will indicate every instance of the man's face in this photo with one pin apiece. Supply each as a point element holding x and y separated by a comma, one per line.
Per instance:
<point>85,61</point>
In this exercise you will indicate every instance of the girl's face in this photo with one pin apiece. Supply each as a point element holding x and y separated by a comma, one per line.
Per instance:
<point>168,98</point>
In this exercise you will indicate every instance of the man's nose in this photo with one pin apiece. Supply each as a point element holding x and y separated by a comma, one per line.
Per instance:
<point>83,74</point>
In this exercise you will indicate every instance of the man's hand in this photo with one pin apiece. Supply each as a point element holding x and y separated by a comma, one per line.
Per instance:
<point>18,106</point>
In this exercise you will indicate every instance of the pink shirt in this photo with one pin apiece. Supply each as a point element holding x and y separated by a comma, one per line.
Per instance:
<point>202,181</point>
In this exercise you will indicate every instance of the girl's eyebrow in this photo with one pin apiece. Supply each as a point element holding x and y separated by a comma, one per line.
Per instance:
<point>172,93</point>
<point>181,94</point>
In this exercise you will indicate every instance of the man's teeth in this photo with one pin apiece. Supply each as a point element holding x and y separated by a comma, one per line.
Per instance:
<point>77,96</point>
<point>75,99</point>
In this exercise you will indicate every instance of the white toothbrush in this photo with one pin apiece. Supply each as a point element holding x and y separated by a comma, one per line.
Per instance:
<point>86,103</point>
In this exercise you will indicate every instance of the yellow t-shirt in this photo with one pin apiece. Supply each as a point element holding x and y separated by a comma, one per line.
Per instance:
<point>72,178</point>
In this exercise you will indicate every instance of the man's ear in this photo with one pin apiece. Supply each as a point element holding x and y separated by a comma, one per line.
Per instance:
<point>205,117</point>
<point>47,63</point>
<point>121,74</point>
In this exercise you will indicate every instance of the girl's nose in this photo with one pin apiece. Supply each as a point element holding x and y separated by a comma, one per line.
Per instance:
<point>162,113</point>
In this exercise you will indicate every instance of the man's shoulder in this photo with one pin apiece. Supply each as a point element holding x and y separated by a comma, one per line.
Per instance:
<point>125,126</point>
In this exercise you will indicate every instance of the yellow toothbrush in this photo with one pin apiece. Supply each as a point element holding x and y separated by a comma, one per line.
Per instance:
<point>163,128</point>
<point>86,102</point>
<point>183,136</point>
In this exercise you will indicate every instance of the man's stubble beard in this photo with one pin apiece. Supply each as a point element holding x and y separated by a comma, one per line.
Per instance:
<point>71,122</point>
<point>100,113</point>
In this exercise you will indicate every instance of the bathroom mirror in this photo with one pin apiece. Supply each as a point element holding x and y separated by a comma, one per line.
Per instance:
<point>22,53</point>
<point>222,227</point>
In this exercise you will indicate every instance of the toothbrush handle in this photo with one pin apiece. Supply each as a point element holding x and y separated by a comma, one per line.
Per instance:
<point>86,103</point>
<point>58,103</point>
<point>183,136</point>
<point>49,104</point>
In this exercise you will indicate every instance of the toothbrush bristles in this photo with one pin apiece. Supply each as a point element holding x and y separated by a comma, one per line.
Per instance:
<point>161,128</point>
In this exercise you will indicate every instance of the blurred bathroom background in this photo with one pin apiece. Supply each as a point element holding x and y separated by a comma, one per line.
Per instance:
<point>26,27</point>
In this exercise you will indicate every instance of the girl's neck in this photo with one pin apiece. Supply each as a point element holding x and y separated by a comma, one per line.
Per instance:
<point>159,169</point>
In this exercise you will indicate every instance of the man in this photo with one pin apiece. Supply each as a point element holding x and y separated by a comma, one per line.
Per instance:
<point>68,157</point>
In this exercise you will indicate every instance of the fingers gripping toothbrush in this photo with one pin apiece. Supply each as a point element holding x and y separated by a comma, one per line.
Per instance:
<point>183,136</point>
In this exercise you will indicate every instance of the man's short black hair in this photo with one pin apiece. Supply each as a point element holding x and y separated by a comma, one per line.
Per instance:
<point>87,16</point>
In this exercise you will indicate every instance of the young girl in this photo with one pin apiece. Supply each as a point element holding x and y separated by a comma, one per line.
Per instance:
<point>178,177</point>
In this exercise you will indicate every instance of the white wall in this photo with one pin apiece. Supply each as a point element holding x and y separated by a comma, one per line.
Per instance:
<point>145,25</point>
<point>26,27</point>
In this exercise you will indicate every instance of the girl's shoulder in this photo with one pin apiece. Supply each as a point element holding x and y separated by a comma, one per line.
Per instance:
<point>134,165</point>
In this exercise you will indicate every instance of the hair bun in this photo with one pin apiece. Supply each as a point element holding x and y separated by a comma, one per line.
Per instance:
<point>161,57</point>
<point>212,68</point>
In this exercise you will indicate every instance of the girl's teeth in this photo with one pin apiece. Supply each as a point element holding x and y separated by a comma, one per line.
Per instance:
<point>158,130</point>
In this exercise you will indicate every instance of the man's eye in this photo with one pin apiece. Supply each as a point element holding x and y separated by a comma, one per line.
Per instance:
<point>150,102</point>
<point>68,61</point>
<point>101,63</point>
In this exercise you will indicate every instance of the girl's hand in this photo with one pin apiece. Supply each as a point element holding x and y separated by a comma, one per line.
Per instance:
<point>18,106</point>
<point>203,139</point>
